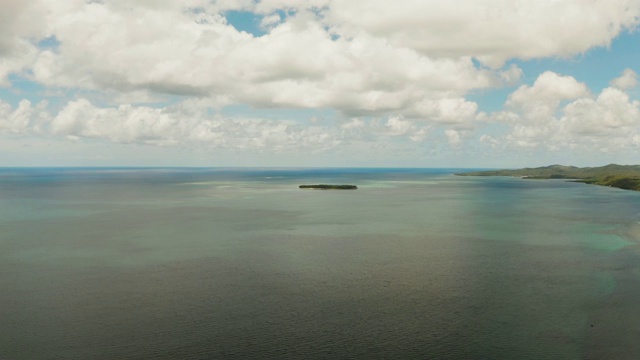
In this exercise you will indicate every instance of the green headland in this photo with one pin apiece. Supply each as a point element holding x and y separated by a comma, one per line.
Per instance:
<point>620,176</point>
<point>329,187</point>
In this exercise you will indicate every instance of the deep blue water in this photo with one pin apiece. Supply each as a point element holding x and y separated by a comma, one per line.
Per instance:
<point>240,263</point>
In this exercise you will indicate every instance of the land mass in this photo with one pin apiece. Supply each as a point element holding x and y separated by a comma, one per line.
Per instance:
<point>620,176</point>
<point>329,187</point>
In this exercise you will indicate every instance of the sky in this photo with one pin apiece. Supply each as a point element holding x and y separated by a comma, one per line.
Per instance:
<point>319,83</point>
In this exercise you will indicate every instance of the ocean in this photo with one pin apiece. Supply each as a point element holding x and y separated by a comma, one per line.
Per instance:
<point>180,263</point>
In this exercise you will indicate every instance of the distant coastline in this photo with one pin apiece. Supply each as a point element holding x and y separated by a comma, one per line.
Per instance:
<point>625,177</point>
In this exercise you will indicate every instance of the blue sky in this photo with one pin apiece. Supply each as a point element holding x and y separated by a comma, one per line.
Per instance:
<point>488,83</point>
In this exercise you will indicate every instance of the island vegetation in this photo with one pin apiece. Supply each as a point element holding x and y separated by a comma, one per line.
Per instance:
<point>329,187</point>
<point>620,176</point>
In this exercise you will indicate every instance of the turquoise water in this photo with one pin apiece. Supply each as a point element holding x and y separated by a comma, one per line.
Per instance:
<point>227,263</point>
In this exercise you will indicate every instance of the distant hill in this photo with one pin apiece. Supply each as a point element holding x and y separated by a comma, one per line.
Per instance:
<point>621,176</point>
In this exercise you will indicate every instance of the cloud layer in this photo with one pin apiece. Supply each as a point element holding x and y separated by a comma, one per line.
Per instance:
<point>390,70</point>
<point>558,112</point>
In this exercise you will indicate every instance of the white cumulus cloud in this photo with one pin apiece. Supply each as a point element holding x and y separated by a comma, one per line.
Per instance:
<point>608,122</point>
<point>612,115</point>
<point>626,81</point>
<point>490,30</point>
<point>24,119</point>
<point>388,71</point>
<point>356,56</point>
<point>546,93</point>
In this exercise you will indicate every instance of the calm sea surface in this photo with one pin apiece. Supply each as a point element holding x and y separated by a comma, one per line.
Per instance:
<point>235,264</point>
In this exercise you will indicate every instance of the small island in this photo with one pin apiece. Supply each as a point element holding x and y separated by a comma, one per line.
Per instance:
<point>625,177</point>
<point>329,187</point>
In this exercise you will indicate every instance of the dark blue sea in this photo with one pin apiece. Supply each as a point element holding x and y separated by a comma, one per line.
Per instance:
<point>125,263</point>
